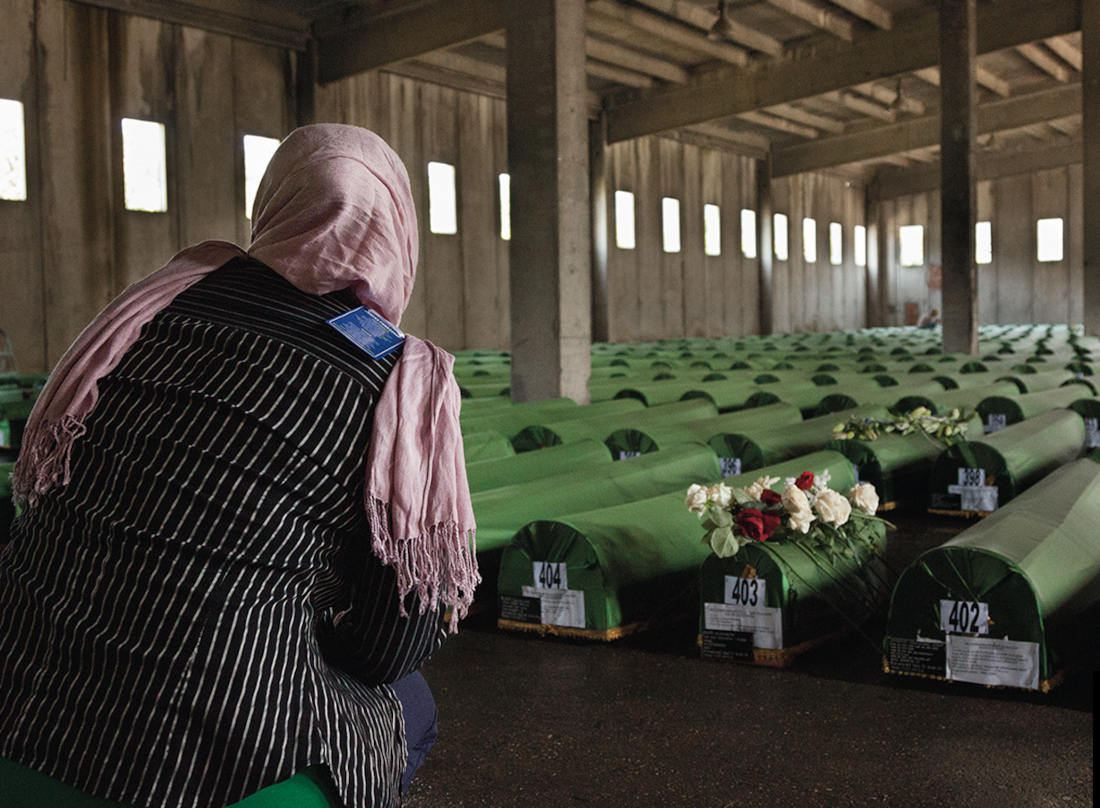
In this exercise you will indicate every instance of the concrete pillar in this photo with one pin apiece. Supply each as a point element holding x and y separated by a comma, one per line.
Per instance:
<point>550,252</point>
<point>601,211</point>
<point>765,243</point>
<point>873,287</point>
<point>1090,113</point>
<point>959,125</point>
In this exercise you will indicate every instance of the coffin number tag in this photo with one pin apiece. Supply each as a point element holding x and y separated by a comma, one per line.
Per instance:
<point>964,617</point>
<point>551,575</point>
<point>744,591</point>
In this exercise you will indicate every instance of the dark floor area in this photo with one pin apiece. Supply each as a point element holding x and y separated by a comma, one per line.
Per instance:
<point>644,721</point>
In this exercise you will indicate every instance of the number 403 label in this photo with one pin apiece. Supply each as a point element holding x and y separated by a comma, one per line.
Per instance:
<point>964,617</point>
<point>744,591</point>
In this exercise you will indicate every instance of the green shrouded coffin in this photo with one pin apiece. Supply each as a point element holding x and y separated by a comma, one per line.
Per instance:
<point>602,573</point>
<point>485,475</point>
<point>1012,599</point>
<point>764,447</point>
<point>1089,409</point>
<point>500,512</point>
<point>485,446</point>
<point>481,406</point>
<point>871,396</point>
<point>958,398</point>
<point>509,419</point>
<point>712,431</point>
<point>475,388</point>
<point>978,476</point>
<point>771,601</point>
<point>997,412</point>
<point>553,433</point>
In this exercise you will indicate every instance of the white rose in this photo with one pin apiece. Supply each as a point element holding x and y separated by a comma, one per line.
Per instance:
<point>801,520</point>
<point>865,497</point>
<point>832,507</point>
<point>696,499</point>
<point>795,501</point>
<point>754,491</point>
<point>720,495</point>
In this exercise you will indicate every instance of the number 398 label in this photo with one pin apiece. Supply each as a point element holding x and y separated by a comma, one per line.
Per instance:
<point>964,617</point>
<point>745,591</point>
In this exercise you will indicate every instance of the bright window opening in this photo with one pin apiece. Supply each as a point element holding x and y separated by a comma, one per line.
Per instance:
<point>257,154</point>
<point>505,181</point>
<point>911,245</point>
<point>624,220</point>
<point>442,199</point>
<point>712,230</point>
<point>748,233</point>
<point>809,240</point>
<point>13,151</point>
<point>859,245</point>
<point>836,237</point>
<point>1049,232</point>
<point>983,243</point>
<point>670,218</point>
<point>782,237</point>
<point>144,165</point>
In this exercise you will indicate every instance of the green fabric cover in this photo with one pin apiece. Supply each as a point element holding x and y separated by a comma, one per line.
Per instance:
<point>1012,458</point>
<point>630,560</point>
<point>485,475</point>
<point>765,447</point>
<point>475,389</point>
<point>1043,380</point>
<point>551,433</point>
<point>500,512</point>
<point>1036,562</point>
<point>1016,408</point>
<point>963,398</point>
<point>485,446</point>
<point>651,438</point>
<point>481,406</point>
<point>510,419</point>
<point>875,395</point>
<point>22,787</point>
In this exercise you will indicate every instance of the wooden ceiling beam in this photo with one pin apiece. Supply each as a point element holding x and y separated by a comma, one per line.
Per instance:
<point>892,98</point>
<point>700,18</point>
<point>808,118</point>
<point>869,11</point>
<point>366,41</point>
<point>831,66</point>
<point>1065,49</point>
<point>620,22</point>
<point>1039,57</point>
<point>860,104</point>
<point>985,79</point>
<point>917,133</point>
<point>779,124</point>
<point>633,60</point>
<point>817,16</point>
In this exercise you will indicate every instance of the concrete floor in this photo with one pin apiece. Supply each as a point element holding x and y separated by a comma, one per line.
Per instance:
<point>644,721</point>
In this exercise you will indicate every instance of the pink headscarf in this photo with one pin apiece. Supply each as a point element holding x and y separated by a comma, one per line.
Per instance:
<point>334,211</point>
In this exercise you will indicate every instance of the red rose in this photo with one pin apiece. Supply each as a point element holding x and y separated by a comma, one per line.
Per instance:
<point>769,497</point>
<point>805,481</point>
<point>756,525</point>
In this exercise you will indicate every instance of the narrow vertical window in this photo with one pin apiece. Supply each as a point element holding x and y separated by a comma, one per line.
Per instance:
<point>13,151</point>
<point>442,199</point>
<point>712,230</point>
<point>836,236</point>
<point>748,233</point>
<point>859,245</point>
<point>624,220</point>
<point>144,165</point>
<point>809,240</point>
<point>782,237</point>
<point>257,154</point>
<point>670,219</point>
<point>1049,232</point>
<point>911,245</point>
<point>983,243</point>
<point>505,181</point>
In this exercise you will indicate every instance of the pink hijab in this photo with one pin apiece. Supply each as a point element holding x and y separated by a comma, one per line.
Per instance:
<point>334,211</point>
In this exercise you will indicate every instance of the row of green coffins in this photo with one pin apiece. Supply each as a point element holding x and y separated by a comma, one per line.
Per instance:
<point>1011,601</point>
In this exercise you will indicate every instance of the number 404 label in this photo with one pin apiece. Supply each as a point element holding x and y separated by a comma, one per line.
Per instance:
<point>964,617</point>
<point>551,575</point>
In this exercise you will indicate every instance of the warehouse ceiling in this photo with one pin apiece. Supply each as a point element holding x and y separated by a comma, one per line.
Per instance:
<point>846,85</point>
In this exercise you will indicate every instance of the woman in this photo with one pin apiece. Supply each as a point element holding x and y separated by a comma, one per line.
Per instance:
<point>240,525</point>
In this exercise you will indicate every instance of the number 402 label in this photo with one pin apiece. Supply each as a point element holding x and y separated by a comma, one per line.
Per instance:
<point>964,617</point>
<point>550,575</point>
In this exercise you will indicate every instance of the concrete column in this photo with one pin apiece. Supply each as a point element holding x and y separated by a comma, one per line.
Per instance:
<point>601,210</point>
<point>550,252</point>
<point>873,286</point>
<point>765,243</point>
<point>959,125</point>
<point>1090,113</point>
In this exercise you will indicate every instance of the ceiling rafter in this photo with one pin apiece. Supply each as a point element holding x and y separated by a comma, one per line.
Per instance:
<point>809,118</point>
<point>817,16</point>
<point>700,18</point>
<point>1041,58</point>
<point>985,78</point>
<point>869,11</point>
<point>611,19</point>
<point>1070,54</point>
<point>779,124</point>
<point>831,66</point>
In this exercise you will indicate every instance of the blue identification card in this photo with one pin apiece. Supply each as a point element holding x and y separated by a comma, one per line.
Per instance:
<point>370,331</point>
